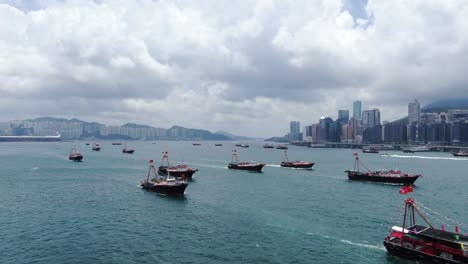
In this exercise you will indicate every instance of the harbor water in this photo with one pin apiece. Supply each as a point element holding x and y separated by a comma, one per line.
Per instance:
<point>53,210</point>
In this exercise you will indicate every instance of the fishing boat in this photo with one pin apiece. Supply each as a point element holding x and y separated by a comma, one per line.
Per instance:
<point>249,166</point>
<point>281,147</point>
<point>87,144</point>
<point>178,171</point>
<point>218,144</point>
<point>96,147</point>
<point>116,143</point>
<point>460,153</point>
<point>370,150</point>
<point>127,150</point>
<point>268,146</point>
<point>196,144</point>
<point>75,155</point>
<point>295,164</point>
<point>168,185</point>
<point>380,176</point>
<point>424,242</point>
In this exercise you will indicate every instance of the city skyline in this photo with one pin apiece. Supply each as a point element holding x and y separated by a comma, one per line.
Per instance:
<point>248,72</point>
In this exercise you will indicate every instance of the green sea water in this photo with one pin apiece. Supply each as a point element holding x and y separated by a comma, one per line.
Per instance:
<point>53,210</point>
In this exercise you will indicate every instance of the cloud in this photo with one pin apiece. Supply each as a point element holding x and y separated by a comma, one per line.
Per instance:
<point>245,67</point>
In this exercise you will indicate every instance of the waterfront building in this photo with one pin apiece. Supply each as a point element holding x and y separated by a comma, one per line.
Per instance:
<point>372,135</point>
<point>395,133</point>
<point>414,112</point>
<point>458,115</point>
<point>315,133</point>
<point>357,109</point>
<point>429,118</point>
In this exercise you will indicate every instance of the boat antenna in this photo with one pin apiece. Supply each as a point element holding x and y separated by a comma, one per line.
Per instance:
<point>285,156</point>
<point>234,155</point>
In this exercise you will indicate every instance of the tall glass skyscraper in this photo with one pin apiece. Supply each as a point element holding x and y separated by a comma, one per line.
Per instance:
<point>414,112</point>
<point>357,109</point>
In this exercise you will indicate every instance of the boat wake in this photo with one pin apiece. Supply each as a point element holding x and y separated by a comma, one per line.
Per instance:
<point>423,157</point>
<point>273,165</point>
<point>348,242</point>
<point>375,247</point>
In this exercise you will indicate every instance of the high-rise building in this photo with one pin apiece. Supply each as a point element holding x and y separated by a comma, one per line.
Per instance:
<point>343,116</point>
<point>294,131</point>
<point>294,127</point>
<point>414,112</point>
<point>357,109</point>
<point>370,118</point>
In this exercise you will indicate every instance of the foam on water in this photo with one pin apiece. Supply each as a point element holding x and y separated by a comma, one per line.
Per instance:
<point>425,157</point>
<point>375,247</point>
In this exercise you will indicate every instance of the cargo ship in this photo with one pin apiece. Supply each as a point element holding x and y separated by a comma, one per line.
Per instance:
<point>55,138</point>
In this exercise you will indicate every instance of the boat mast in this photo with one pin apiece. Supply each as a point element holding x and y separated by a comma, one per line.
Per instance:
<point>165,157</point>
<point>151,169</point>
<point>409,205</point>
<point>285,159</point>
<point>234,155</point>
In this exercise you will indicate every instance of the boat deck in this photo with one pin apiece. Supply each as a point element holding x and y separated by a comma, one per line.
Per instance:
<point>428,232</point>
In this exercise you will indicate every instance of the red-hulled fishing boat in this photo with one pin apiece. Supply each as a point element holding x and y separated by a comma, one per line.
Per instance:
<point>168,185</point>
<point>380,176</point>
<point>127,150</point>
<point>75,155</point>
<point>249,166</point>
<point>423,242</point>
<point>460,153</point>
<point>178,171</point>
<point>96,147</point>
<point>295,164</point>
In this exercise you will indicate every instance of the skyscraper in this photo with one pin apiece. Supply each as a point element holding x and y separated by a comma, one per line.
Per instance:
<point>294,131</point>
<point>414,112</point>
<point>357,109</point>
<point>294,127</point>
<point>370,118</point>
<point>343,116</point>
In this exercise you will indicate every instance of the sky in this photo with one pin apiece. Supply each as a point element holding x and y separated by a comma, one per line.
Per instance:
<point>246,67</point>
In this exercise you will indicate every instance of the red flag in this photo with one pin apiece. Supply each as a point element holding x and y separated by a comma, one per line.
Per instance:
<point>406,189</point>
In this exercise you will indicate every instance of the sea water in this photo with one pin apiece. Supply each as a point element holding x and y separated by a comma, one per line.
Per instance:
<point>53,210</point>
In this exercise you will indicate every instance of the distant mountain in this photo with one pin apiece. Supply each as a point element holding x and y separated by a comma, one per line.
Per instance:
<point>132,125</point>
<point>444,105</point>
<point>182,133</point>
<point>234,137</point>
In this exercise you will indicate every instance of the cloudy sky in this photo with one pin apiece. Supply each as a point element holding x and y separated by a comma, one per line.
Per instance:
<point>246,67</point>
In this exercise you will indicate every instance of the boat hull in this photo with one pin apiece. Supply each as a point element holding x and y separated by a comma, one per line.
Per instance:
<point>128,151</point>
<point>297,166</point>
<point>162,170</point>
<point>360,176</point>
<point>408,253</point>
<point>253,167</point>
<point>97,149</point>
<point>169,190</point>
<point>460,154</point>
<point>76,158</point>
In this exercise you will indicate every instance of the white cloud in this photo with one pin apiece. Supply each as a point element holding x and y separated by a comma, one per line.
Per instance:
<point>246,67</point>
